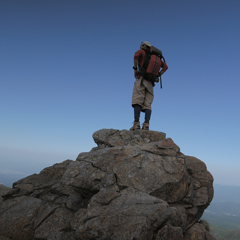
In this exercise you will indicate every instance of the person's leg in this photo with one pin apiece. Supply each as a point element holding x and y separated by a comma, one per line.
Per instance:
<point>138,95</point>
<point>137,110</point>
<point>147,118</point>
<point>137,101</point>
<point>148,113</point>
<point>147,105</point>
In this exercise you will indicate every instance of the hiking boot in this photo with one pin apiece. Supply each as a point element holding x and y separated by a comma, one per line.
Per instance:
<point>145,126</point>
<point>136,125</point>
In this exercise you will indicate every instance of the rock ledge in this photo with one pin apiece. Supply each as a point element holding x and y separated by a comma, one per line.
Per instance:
<point>133,185</point>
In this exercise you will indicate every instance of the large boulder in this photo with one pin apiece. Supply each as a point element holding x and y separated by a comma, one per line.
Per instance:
<point>133,185</point>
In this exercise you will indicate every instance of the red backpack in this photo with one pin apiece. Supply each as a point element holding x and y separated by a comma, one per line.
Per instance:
<point>151,65</point>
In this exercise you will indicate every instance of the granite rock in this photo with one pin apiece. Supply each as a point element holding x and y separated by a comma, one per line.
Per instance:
<point>133,185</point>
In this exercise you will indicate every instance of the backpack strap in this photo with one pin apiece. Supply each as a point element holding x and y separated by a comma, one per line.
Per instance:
<point>155,66</point>
<point>144,67</point>
<point>151,75</point>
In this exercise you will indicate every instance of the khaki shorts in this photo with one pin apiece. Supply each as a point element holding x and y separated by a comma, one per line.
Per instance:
<point>143,95</point>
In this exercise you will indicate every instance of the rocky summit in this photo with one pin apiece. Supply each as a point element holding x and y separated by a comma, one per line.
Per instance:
<point>135,185</point>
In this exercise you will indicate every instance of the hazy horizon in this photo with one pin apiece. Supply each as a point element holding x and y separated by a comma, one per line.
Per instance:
<point>66,72</point>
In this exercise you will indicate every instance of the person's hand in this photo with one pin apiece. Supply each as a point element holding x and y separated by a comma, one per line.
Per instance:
<point>160,73</point>
<point>136,74</point>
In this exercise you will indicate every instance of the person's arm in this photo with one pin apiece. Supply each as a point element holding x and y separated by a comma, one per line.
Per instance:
<point>136,72</point>
<point>164,69</point>
<point>135,63</point>
<point>137,55</point>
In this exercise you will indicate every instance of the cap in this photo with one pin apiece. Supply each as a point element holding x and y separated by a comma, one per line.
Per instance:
<point>147,43</point>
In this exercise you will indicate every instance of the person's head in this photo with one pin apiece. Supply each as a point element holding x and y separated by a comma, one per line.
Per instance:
<point>145,45</point>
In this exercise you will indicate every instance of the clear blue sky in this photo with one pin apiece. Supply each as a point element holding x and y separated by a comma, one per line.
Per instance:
<point>66,71</point>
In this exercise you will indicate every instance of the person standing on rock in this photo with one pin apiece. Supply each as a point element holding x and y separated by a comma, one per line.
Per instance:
<point>148,66</point>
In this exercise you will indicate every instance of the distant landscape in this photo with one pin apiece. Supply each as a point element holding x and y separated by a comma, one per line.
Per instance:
<point>8,179</point>
<point>223,214</point>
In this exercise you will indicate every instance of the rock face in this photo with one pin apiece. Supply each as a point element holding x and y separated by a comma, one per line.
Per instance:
<point>3,189</point>
<point>136,185</point>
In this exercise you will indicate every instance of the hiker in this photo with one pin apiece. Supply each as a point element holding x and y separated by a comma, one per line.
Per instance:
<point>146,71</point>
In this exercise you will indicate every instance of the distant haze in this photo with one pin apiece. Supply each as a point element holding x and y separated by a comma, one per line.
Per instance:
<point>66,72</point>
